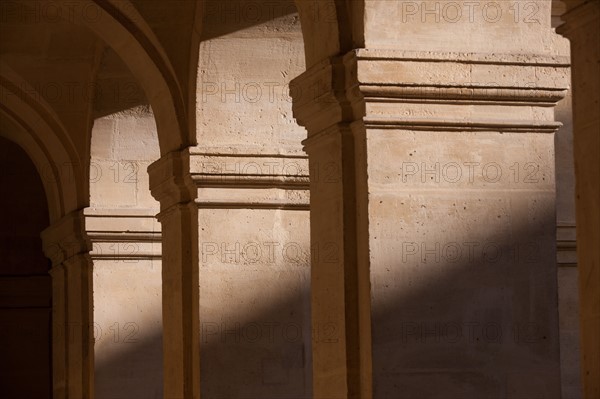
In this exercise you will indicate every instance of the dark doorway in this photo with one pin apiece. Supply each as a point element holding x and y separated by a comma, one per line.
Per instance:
<point>25,285</point>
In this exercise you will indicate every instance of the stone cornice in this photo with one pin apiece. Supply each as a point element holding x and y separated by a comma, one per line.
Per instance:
<point>252,181</point>
<point>432,91</point>
<point>465,58</point>
<point>117,234</point>
<point>117,248</point>
<point>566,245</point>
<point>218,180</point>
<point>271,181</point>
<point>249,170</point>
<point>472,95</point>
<point>434,125</point>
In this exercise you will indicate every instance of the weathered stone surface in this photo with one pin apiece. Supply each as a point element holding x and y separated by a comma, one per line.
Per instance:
<point>408,250</point>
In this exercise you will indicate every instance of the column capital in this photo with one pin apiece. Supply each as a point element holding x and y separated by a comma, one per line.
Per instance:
<point>67,245</point>
<point>258,181</point>
<point>66,238</point>
<point>170,181</point>
<point>224,180</point>
<point>426,90</point>
<point>123,234</point>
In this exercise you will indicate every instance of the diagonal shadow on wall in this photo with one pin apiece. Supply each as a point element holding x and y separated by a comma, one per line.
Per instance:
<point>482,325</point>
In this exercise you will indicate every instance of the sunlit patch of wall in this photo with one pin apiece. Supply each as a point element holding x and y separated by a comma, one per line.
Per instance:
<point>126,254</point>
<point>252,179</point>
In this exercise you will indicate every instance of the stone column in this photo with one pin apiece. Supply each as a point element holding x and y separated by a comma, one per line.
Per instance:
<point>172,186</point>
<point>566,251</point>
<point>66,244</point>
<point>581,27</point>
<point>340,283</point>
<point>433,172</point>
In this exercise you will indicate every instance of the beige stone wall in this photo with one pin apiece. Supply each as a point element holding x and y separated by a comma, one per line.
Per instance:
<point>126,256</point>
<point>433,212</point>
<point>248,55</point>
<point>254,248</point>
<point>446,286</point>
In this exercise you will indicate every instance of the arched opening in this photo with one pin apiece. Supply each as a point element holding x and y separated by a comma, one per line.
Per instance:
<point>120,221</point>
<point>253,206</point>
<point>125,235</point>
<point>26,300</point>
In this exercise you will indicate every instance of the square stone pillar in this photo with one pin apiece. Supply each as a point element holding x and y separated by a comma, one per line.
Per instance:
<point>581,27</point>
<point>223,191</point>
<point>170,184</point>
<point>432,173</point>
<point>67,246</point>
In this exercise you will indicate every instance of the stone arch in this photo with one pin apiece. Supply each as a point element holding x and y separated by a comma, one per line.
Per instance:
<point>26,303</point>
<point>328,29</point>
<point>39,131</point>
<point>34,126</point>
<point>123,29</point>
<point>126,255</point>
